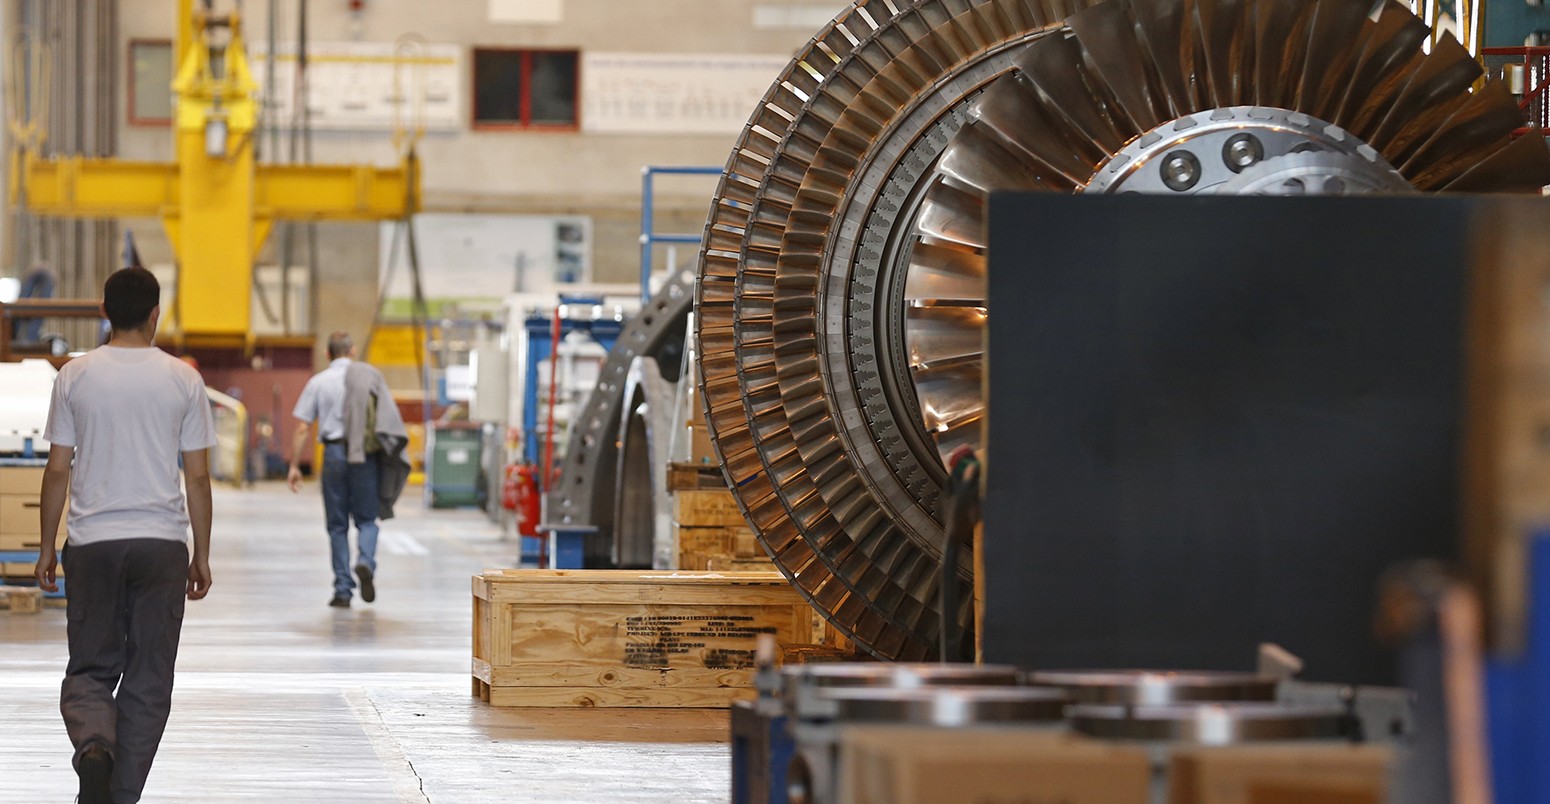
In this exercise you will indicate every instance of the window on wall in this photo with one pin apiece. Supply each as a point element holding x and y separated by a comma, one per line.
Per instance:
<point>528,89</point>
<point>150,82</point>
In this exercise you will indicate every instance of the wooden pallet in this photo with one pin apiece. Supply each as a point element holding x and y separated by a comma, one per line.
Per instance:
<point>21,599</point>
<point>626,637</point>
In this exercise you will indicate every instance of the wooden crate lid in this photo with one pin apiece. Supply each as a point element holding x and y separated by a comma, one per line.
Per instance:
<point>652,587</point>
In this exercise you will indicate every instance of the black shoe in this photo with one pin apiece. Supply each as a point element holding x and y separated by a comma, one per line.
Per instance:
<point>368,589</point>
<point>95,767</point>
<point>340,602</point>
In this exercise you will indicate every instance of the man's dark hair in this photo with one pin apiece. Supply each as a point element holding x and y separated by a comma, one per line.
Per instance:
<point>339,344</point>
<point>129,296</point>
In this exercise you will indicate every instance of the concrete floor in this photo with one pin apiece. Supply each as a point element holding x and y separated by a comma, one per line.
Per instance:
<point>280,698</point>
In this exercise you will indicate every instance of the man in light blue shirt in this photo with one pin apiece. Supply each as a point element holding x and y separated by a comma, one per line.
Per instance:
<point>349,489</point>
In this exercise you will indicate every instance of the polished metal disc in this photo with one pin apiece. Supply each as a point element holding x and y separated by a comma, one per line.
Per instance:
<point>900,675</point>
<point>950,707</point>
<point>1209,723</point>
<point>1156,687</point>
<point>806,687</point>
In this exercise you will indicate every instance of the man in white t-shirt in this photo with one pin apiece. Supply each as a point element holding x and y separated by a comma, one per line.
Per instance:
<point>120,418</point>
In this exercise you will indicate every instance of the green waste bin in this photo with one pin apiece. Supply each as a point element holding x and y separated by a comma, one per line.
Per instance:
<point>453,478</point>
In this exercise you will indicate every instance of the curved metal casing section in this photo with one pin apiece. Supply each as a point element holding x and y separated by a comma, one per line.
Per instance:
<point>642,520</point>
<point>586,488</point>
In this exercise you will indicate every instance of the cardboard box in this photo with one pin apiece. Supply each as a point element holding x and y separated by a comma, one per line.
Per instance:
<point>1288,773</point>
<point>915,765</point>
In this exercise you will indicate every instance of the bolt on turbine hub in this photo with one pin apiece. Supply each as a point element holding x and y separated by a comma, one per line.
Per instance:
<point>1209,152</point>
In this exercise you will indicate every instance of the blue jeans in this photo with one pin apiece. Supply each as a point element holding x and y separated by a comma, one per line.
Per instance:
<point>349,492</point>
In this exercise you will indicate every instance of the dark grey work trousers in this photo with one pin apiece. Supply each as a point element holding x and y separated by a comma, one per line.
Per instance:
<point>125,613</point>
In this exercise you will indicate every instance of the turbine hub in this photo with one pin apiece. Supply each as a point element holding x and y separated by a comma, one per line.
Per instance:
<point>1245,150</point>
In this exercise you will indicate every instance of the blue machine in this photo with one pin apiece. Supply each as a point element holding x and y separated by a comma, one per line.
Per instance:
<point>567,544</point>
<point>761,752</point>
<point>1508,24</point>
<point>540,345</point>
<point>1518,694</point>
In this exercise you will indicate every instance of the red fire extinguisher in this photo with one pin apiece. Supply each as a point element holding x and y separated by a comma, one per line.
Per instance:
<point>519,493</point>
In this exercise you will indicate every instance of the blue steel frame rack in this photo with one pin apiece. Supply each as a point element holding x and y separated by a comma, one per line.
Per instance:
<point>649,238</point>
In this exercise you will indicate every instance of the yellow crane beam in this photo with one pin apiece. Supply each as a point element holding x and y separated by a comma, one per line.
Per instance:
<point>216,203</point>
<point>79,187</point>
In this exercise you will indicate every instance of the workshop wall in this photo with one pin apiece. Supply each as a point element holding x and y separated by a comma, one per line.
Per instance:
<point>481,170</point>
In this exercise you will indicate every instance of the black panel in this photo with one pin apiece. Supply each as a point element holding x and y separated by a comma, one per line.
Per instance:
<point>1214,422</point>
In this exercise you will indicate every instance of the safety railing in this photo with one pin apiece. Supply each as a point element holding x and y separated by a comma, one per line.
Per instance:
<point>1526,71</point>
<point>649,237</point>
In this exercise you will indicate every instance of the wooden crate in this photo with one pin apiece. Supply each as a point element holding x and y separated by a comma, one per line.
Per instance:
<point>818,654</point>
<point>709,541</point>
<point>739,564</point>
<point>710,508</point>
<point>627,637</point>
<point>701,449</point>
<point>720,548</point>
<point>694,477</point>
<point>745,544</point>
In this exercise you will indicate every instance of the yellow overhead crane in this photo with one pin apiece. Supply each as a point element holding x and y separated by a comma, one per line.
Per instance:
<point>216,203</point>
